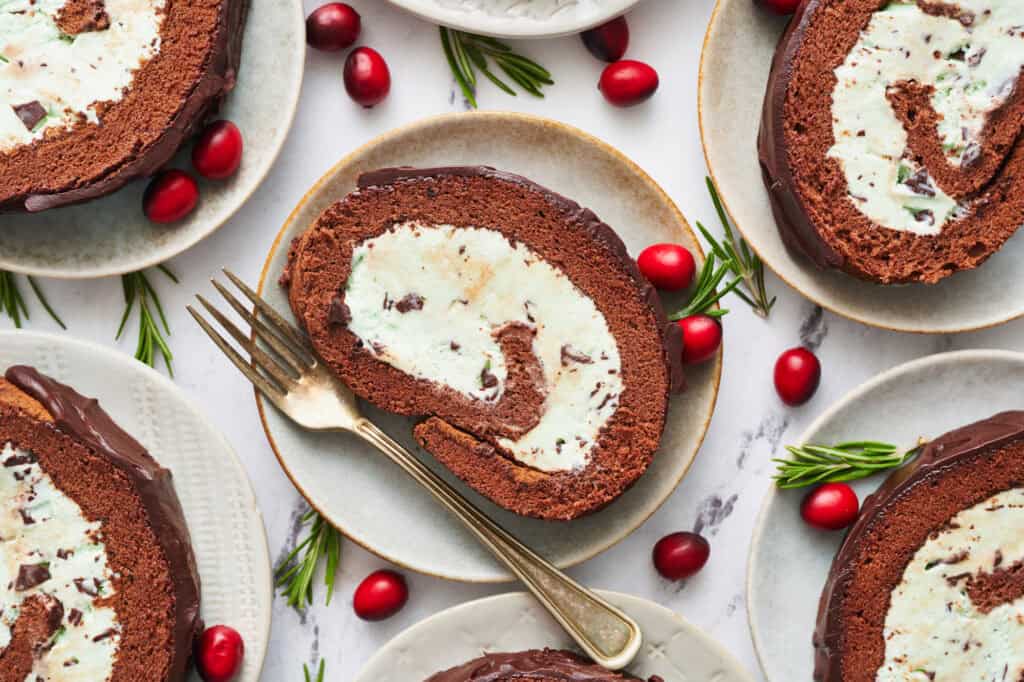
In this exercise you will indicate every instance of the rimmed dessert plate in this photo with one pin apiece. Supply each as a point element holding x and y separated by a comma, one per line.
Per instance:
<point>111,235</point>
<point>369,499</point>
<point>220,507</point>
<point>517,19</point>
<point>673,648</point>
<point>789,561</point>
<point>735,61</point>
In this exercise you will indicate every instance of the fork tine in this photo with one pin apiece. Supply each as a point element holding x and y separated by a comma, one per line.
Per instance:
<point>258,380</point>
<point>283,325</point>
<point>262,360</point>
<point>266,334</point>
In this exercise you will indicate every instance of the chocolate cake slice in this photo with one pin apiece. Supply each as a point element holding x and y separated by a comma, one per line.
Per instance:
<point>889,141</point>
<point>97,576</point>
<point>95,93</point>
<point>539,665</point>
<point>929,583</point>
<point>510,317</point>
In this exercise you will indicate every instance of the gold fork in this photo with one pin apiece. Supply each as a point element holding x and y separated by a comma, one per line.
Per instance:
<point>290,375</point>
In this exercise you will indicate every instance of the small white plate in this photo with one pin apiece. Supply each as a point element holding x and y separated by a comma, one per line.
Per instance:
<point>737,55</point>
<point>516,18</point>
<point>369,499</point>
<point>673,649</point>
<point>111,235</point>
<point>220,508</point>
<point>789,561</point>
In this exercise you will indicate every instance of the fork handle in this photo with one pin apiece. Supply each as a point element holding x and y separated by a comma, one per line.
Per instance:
<point>605,633</point>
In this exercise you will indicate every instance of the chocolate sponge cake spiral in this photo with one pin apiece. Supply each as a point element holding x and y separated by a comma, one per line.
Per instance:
<point>507,316</point>
<point>890,136</point>
<point>929,582</point>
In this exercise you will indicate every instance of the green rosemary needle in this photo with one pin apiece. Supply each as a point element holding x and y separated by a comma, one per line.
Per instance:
<point>319,675</point>
<point>468,53</point>
<point>744,263</point>
<point>12,303</point>
<point>295,573</point>
<point>705,293</point>
<point>812,464</point>
<point>151,340</point>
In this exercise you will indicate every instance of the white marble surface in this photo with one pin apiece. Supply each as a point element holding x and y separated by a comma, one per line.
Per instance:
<point>721,495</point>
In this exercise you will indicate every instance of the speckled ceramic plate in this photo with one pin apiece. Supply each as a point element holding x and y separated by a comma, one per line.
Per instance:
<point>220,508</point>
<point>111,235</point>
<point>737,54</point>
<point>371,500</point>
<point>673,649</point>
<point>789,561</point>
<point>518,18</point>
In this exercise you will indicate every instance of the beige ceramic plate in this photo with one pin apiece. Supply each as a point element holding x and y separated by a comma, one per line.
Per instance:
<point>220,508</point>
<point>371,500</point>
<point>737,55</point>
<point>673,649</point>
<point>789,561</point>
<point>111,235</point>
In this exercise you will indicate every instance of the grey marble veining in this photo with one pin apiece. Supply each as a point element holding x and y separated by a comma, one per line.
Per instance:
<point>723,491</point>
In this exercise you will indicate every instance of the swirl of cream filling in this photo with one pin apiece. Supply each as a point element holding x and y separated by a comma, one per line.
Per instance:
<point>958,612</point>
<point>50,551</point>
<point>972,67</point>
<point>429,300</point>
<point>51,79</point>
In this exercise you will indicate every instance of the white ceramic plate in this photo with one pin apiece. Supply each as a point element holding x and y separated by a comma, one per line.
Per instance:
<point>371,500</point>
<point>518,18</point>
<point>673,649</point>
<point>225,524</point>
<point>789,561</point>
<point>737,54</point>
<point>111,236</point>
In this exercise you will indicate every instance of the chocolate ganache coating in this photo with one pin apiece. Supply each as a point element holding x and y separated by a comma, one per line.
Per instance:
<point>83,419</point>
<point>935,460</point>
<point>545,665</point>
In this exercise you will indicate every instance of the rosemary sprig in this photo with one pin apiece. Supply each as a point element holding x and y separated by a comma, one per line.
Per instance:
<point>467,52</point>
<point>319,674</point>
<point>745,263</point>
<point>811,464</point>
<point>295,574</point>
<point>12,303</point>
<point>151,340</point>
<point>706,293</point>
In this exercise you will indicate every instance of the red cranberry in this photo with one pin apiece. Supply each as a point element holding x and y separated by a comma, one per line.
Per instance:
<point>680,555</point>
<point>608,42</point>
<point>667,266</point>
<point>217,153</point>
<point>170,196</point>
<point>381,595</point>
<point>832,506</point>
<point>702,335</point>
<point>797,375</point>
<point>367,78</point>
<point>779,6</point>
<point>628,82</point>
<point>220,653</point>
<point>332,27</point>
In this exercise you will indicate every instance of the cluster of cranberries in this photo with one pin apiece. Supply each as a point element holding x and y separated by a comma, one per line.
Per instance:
<point>174,193</point>
<point>624,82</point>
<point>671,267</point>
<point>334,27</point>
